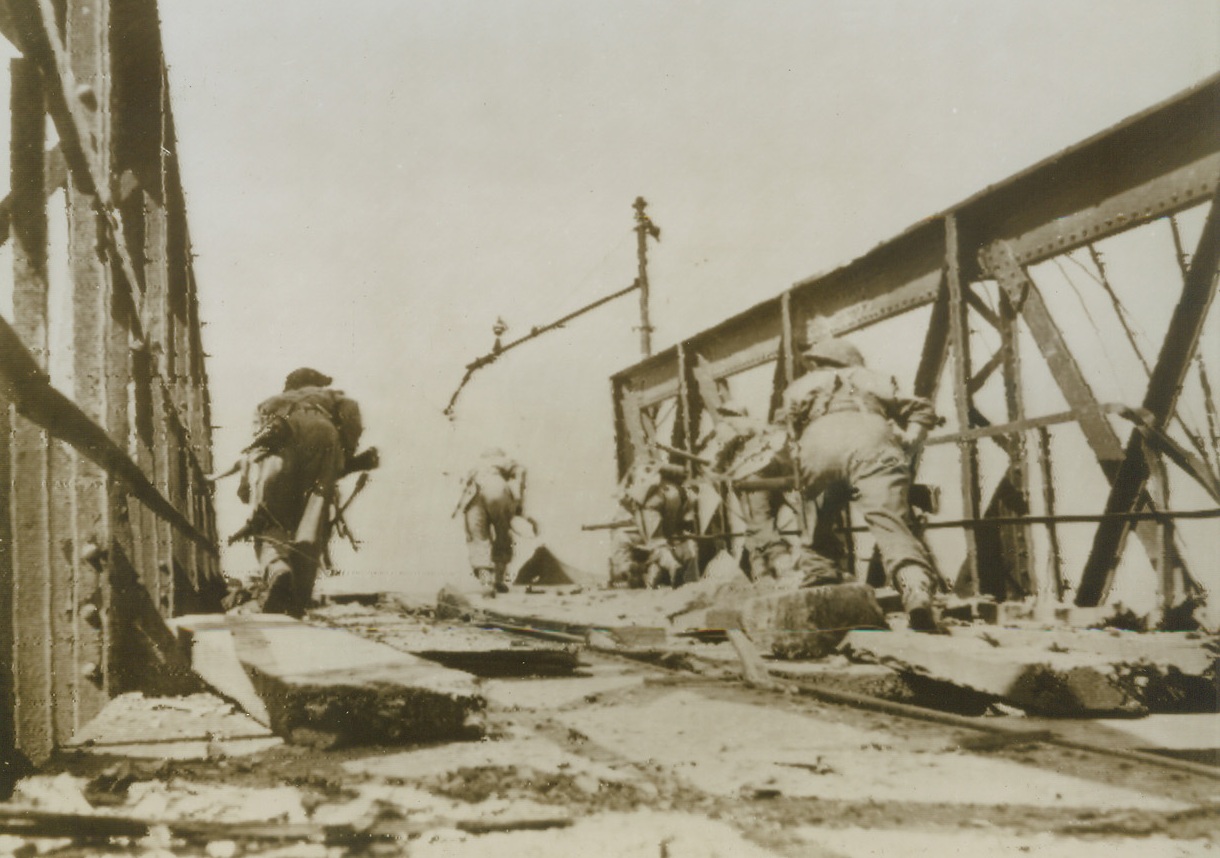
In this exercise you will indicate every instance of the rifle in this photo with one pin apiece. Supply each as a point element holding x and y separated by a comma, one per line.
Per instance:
<point>268,438</point>
<point>339,520</point>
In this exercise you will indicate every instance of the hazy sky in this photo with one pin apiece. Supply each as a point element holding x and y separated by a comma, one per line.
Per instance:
<point>370,184</point>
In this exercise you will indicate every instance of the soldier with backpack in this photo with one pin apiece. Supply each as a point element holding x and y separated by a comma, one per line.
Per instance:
<point>305,440</point>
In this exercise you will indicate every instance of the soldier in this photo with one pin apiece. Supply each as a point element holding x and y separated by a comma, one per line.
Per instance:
<point>857,436</point>
<point>493,499</point>
<point>662,507</point>
<point>305,440</point>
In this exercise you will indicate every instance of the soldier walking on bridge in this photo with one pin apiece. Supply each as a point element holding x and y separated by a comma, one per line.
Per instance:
<point>857,436</point>
<point>305,440</point>
<point>493,500</point>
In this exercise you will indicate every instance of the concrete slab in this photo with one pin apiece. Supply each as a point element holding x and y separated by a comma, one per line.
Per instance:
<point>729,749</point>
<point>577,611</point>
<point>330,685</point>
<point>195,727</point>
<point>483,652</point>
<point>1036,679</point>
<point>133,718</point>
<point>810,622</point>
<point>207,642</point>
<point>1170,671</point>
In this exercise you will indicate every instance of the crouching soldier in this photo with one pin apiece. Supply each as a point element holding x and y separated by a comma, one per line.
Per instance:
<point>657,550</point>
<point>856,438</point>
<point>492,503</point>
<point>305,440</point>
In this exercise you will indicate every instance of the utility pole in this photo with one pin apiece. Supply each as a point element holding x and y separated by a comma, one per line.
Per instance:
<point>644,227</point>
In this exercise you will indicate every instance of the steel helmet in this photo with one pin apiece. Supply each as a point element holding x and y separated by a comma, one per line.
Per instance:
<point>833,351</point>
<point>306,377</point>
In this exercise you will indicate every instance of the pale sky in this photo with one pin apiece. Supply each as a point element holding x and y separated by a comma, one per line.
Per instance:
<point>370,184</point>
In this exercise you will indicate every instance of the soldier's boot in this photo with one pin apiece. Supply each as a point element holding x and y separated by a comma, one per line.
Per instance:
<point>499,583</point>
<point>916,587</point>
<point>486,577</point>
<point>280,597</point>
<point>779,562</point>
<point>817,570</point>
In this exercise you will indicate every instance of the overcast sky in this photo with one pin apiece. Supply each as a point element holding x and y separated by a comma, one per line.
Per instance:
<point>370,184</point>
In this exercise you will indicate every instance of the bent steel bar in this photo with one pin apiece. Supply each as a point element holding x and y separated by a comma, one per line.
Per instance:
<point>29,389</point>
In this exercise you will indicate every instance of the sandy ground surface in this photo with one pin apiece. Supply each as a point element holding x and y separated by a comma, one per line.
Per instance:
<point>621,758</point>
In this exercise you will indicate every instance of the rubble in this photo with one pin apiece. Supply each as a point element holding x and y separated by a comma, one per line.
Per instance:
<point>482,652</point>
<point>1035,679</point>
<point>810,622</point>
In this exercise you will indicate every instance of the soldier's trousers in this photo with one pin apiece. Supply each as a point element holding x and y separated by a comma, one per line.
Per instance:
<point>858,453</point>
<point>294,487</point>
<point>290,569</point>
<point>489,536</point>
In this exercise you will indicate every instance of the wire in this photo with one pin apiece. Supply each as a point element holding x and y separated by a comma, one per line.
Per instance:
<point>1093,322</point>
<point>1119,310</point>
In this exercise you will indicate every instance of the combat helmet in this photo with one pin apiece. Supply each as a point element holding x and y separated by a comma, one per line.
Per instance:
<point>832,351</point>
<point>306,377</point>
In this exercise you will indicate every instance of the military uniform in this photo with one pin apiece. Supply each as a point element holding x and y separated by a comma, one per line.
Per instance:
<point>494,494</point>
<point>847,418</point>
<point>657,551</point>
<point>742,448</point>
<point>311,434</point>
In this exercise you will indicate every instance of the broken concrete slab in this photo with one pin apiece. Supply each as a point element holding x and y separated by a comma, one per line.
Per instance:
<point>1170,671</point>
<point>1034,679</point>
<point>319,684</point>
<point>483,652</point>
<point>810,622</point>
<point>194,727</point>
<point>631,618</point>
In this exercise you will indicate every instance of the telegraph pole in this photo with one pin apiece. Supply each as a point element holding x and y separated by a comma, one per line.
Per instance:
<point>644,227</point>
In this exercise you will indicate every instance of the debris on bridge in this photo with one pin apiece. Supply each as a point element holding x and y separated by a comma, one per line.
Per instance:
<point>705,694</point>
